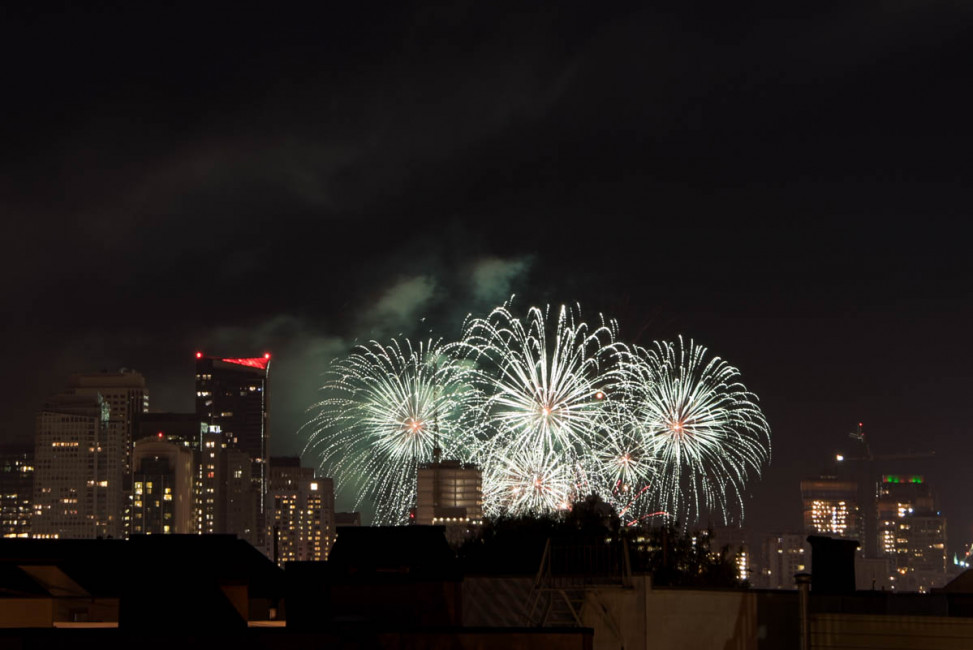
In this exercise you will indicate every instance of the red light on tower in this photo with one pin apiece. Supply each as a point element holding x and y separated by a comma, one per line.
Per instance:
<point>199,355</point>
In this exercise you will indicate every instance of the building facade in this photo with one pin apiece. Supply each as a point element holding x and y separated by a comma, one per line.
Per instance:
<point>16,489</point>
<point>911,532</point>
<point>449,493</point>
<point>831,507</point>
<point>76,470</point>
<point>127,397</point>
<point>232,395</point>
<point>302,510</point>
<point>162,487</point>
<point>782,557</point>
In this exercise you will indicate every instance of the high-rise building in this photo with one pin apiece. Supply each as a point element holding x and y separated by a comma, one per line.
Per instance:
<point>783,556</point>
<point>232,399</point>
<point>449,493</point>
<point>127,398</point>
<point>911,532</point>
<point>898,497</point>
<point>162,487</point>
<point>209,486</point>
<point>77,470</point>
<point>831,507</point>
<point>303,523</point>
<point>232,394</point>
<point>225,498</point>
<point>16,489</point>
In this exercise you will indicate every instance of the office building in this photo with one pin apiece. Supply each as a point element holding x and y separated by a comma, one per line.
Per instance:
<point>127,398</point>
<point>303,523</point>
<point>16,489</point>
<point>162,487</point>
<point>76,470</point>
<point>232,395</point>
<point>911,532</point>
<point>783,556</point>
<point>831,507</point>
<point>449,493</point>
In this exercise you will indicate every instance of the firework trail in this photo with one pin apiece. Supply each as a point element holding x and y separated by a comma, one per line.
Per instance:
<point>384,410</point>
<point>706,432</point>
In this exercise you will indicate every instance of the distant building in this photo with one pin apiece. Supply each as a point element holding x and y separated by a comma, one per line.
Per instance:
<point>127,397</point>
<point>162,487</point>
<point>76,470</point>
<point>226,501</point>
<point>232,394</point>
<point>911,532</point>
<point>783,556</point>
<point>449,493</point>
<point>302,508</point>
<point>240,498</point>
<point>733,540</point>
<point>831,507</point>
<point>16,489</point>
<point>232,397</point>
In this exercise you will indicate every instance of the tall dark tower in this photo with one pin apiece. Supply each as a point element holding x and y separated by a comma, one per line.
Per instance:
<point>232,394</point>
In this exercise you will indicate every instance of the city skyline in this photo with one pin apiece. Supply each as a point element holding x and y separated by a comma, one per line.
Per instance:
<point>786,185</point>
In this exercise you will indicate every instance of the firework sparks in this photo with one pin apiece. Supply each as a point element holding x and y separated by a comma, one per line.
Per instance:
<point>707,433</point>
<point>386,408</point>
<point>551,409</point>
<point>541,379</point>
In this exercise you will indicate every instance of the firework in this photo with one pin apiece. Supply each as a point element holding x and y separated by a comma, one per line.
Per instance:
<point>551,409</point>
<point>705,430</point>
<point>531,481</point>
<point>386,407</point>
<point>542,379</point>
<point>622,463</point>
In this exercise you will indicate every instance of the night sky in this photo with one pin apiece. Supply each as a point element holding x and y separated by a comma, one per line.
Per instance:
<point>787,183</point>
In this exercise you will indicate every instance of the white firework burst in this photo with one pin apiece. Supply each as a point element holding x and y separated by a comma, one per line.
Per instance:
<point>386,408</point>
<point>704,427</point>
<point>530,481</point>
<point>542,377</point>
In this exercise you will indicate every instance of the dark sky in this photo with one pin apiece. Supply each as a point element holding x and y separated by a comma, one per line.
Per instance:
<point>789,185</point>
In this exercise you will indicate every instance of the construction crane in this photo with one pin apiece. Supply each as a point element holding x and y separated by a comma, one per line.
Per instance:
<point>859,436</point>
<point>866,491</point>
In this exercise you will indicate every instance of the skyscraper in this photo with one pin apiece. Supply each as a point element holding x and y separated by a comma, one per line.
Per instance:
<point>449,493</point>
<point>127,398</point>
<point>232,394</point>
<point>302,516</point>
<point>162,487</point>
<point>76,491</point>
<point>16,489</point>
<point>911,532</point>
<point>831,507</point>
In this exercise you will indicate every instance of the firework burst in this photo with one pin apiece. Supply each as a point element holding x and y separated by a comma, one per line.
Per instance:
<point>531,482</point>
<point>705,430</point>
<point>542,382</point>
<point>551,409</point>
<point>385,409</point>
